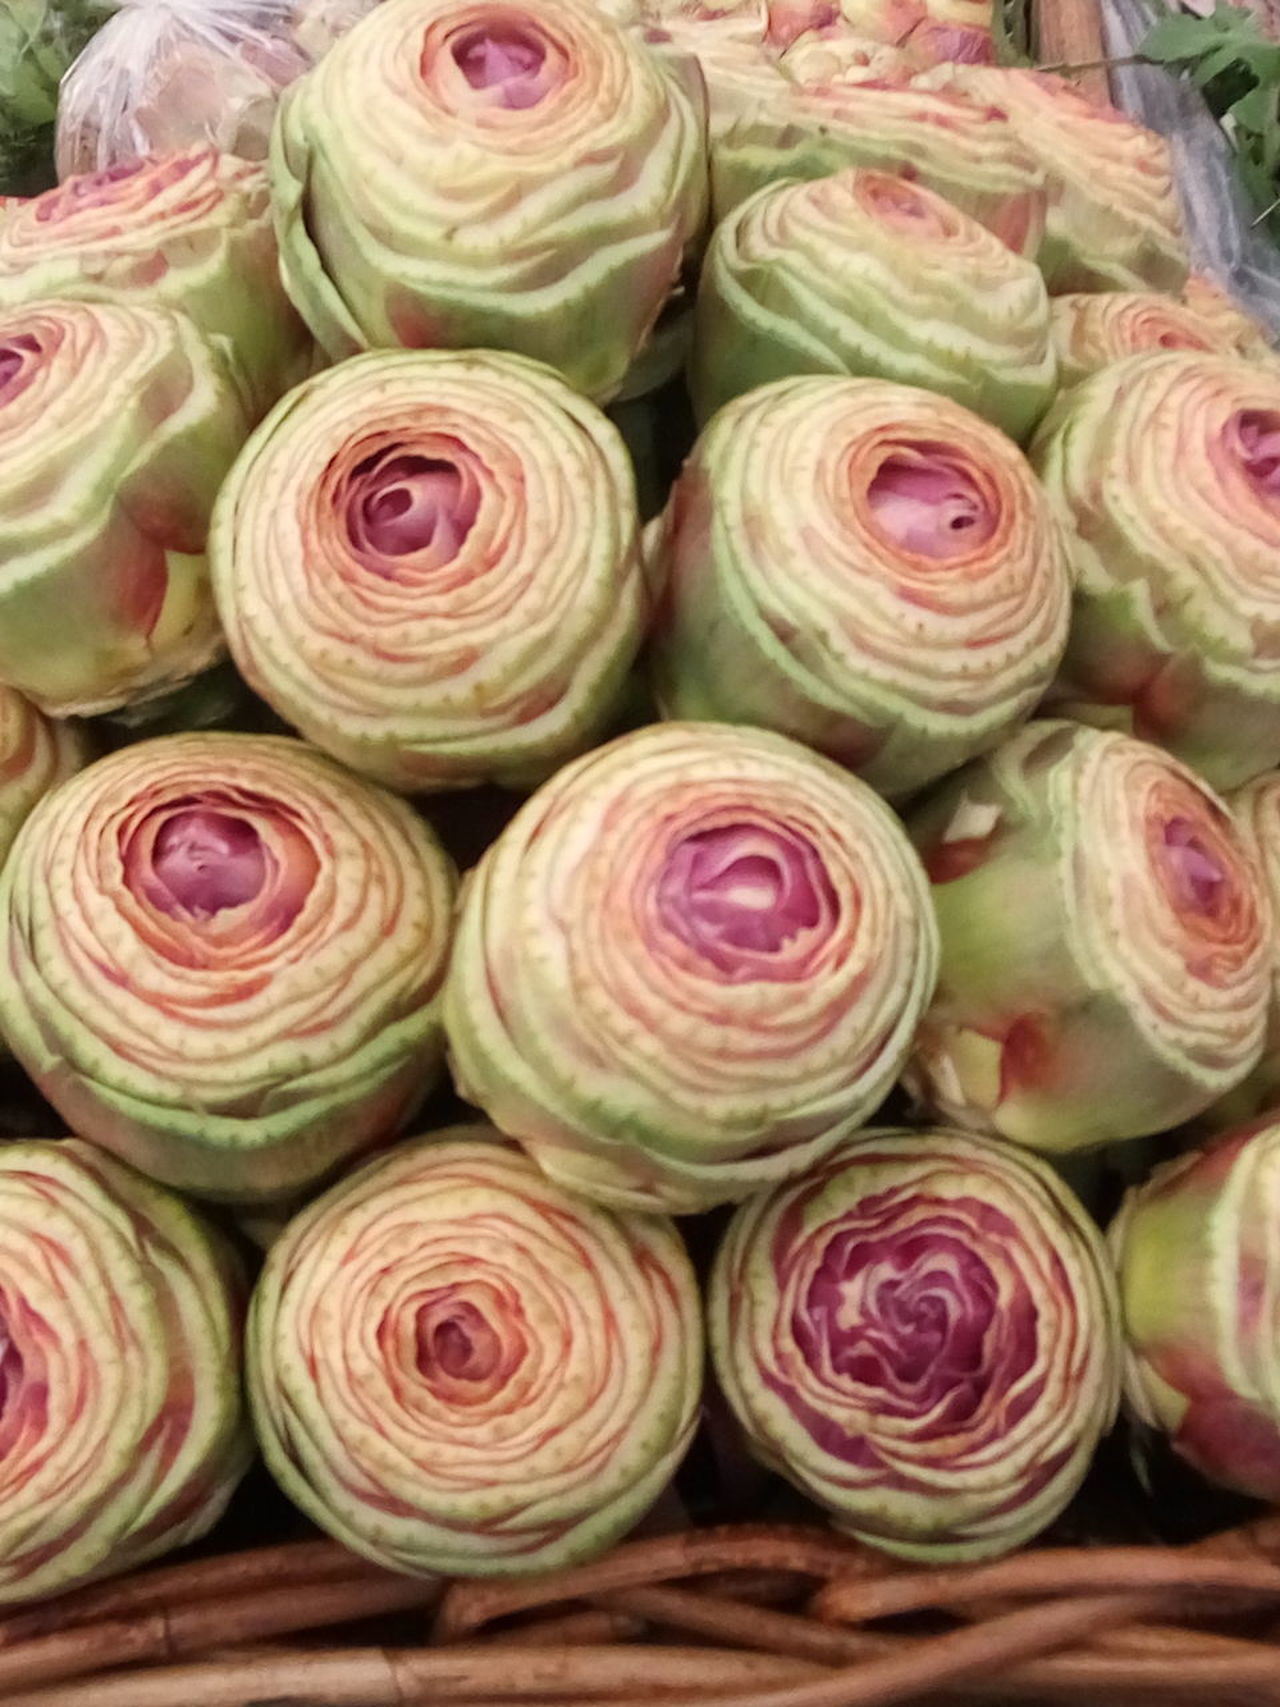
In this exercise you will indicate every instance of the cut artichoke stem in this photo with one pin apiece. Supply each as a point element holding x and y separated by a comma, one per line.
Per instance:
<point>921,1333</point>
<point>225,960</point>
<point>429,564</point>
<point>865,567</point>
<point>455,1366</point>
<point>724,948</point>
<point>120,1399</point>
<point>567,190</point>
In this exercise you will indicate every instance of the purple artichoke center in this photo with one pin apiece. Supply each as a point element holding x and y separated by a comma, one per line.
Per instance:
<point>11,1369</point>
<point>457,1344</point>
<point>505,58</point>
<point>1258,446</point>
<point>906,1314</point>
<point>1194,873</point>
<point>206,860</point>
<point>928,506</point>
<point>402,503</point>
<point>743,889</point>
<point>13,359</point>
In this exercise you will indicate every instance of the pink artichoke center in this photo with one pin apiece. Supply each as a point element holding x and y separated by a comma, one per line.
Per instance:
<point>205,861</point>
<point>456,1343</point>
<point>402,503</point>
<point>743,890</point>
<point>506,59</point>
<point>1257,442</point>
<point>14,354</point>
<point>929,506</point>
<point>1194,875</point>
<point>11,1369</point>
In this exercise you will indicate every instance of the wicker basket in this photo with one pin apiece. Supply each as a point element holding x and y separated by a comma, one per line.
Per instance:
<point>749,1614</point>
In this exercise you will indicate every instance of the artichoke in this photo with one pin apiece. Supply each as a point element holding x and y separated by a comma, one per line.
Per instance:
<point>429,563</point>
<point>1196,1251</point>
<point>36,754</point>
<point>841,103</point>
<point>190,231</point>
<point>691,964</point>
<point>1106,942</point>
<point>922,1334</point>
<point>456,1366</point>
<point>1165,469</point>
<point>869,275</point>
<point>566,181</point>
<point>224,957</point>
<point>1247,336</point>
<point>868,568</point>
<point>1113,221</point>
<point>1091,332</point>
<point>122,1433</point>
<point>118,423</point>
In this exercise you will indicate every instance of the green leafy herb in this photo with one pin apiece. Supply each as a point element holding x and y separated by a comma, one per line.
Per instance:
<point>38,41</point>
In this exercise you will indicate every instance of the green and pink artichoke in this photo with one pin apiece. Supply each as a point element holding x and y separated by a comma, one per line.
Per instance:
<point>118,423</point>
<point>122,1429</point>
<point>190,231</point>
<point>874,277</point>
<point>691,964</point>
<point>1092,331</point>
<point>429,563</point>
<point>1247,336</point>
<point>1165,471</point>
<point>1199,1265</point>
<point>866,567</point>
<point>459,173</point>
<point>36,754</point>
<point>457,1367</point>
<point>223,960</point>
<point>922,1334</point>
<point>1113,221</point>
<point>1106,942</point>
<point>837,101</point>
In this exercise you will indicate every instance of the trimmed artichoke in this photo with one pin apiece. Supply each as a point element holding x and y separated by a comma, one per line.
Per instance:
<point>869,275</point>
<point>1091,332</point>
<point>36,754</point>
<point>190,231</point>
<point>866,567</point>
<point>922,1334</point>
<point>122,1434</point>
<point>1106,942</point>
<point>1256,809</point>
<point>456,1366</point>
<point>118,424</point>
<point>566,181</point>
<point>1247,336</point>
<point>1113,221</point>
<point>1165,470</point>
<point>840,102</point>
<point>691,964</point>
<point>429,563</point>
<point>1199,1261</point>
<point>224,957</point>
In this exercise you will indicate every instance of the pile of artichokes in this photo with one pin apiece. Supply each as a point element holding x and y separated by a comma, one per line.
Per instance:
<point>646,619</point>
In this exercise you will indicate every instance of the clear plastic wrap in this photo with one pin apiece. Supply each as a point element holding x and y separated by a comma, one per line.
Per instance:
<point>166,74</point>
